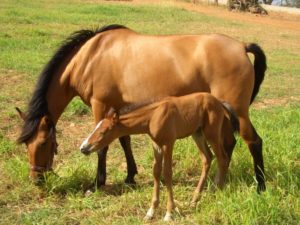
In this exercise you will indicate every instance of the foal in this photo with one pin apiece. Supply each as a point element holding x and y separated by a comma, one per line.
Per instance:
<point>199,114</point>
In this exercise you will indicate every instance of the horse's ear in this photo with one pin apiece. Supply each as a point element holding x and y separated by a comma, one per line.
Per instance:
<point>21,114</point>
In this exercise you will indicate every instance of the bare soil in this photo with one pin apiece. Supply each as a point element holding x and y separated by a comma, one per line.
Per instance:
<point>277,19</point>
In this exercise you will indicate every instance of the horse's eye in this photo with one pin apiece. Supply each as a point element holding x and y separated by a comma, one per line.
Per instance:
<point>43,144</point>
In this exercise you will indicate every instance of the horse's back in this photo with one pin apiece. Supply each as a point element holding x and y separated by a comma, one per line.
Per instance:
<point>141,67</point>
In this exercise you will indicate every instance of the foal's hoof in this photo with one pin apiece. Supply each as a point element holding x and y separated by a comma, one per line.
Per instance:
<point>148,218</point>
<point>193,204</point>
<point>168,217</point>
<point>150,214</point>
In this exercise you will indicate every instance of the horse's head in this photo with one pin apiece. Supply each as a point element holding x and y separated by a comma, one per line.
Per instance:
<point>41,146</point>
<point>102,135</point>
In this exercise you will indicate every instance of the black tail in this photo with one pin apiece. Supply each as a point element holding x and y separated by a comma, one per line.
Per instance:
<point>260,66</point>
<point>232,116</point>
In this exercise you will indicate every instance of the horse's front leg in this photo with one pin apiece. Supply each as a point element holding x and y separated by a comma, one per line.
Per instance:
<point>99,111</point>
<point>131,166</point>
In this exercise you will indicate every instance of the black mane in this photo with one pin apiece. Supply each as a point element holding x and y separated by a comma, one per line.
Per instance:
<point>38,106</point>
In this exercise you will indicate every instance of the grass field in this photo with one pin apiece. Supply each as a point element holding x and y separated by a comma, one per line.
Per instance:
<point>30,31</point>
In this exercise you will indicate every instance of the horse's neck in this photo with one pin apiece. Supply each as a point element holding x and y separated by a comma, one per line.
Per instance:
<point>58,96</point>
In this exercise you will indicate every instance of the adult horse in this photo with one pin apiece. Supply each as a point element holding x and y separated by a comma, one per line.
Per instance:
<point>115,66</point>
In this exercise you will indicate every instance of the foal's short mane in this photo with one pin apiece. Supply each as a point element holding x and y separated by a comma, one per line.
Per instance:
<point>129,108</point>
<point>38,106</point>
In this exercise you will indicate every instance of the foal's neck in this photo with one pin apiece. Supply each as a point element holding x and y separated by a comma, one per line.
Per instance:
<point>137,121</point>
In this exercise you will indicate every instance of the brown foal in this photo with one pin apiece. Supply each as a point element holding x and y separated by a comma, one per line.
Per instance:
<point>198,114</point>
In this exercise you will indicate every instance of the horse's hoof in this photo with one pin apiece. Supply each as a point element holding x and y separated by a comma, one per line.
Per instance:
<point>130,181</point>
<point>261,187</point>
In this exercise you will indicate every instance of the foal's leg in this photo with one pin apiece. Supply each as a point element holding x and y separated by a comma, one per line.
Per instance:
<point>213,134</point>
<point>167,170</point>
<point>228,138</point>
<point>157,166</point>
<point>223,162</point>
<point>206,158</point>
<point>131,166</point>
<point>254,142</point>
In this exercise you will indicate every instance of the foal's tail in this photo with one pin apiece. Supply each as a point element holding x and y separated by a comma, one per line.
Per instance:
<point>231,115</point>
<point>260,66</point>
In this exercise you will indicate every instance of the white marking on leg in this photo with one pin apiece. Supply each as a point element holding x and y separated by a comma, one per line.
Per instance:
<point>168,217</point>
<point>86,141</point>
<point>150,214</point>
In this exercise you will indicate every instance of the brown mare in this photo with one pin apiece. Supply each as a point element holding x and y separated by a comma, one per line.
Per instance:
<point>115,66</point>
<point>198,114</point>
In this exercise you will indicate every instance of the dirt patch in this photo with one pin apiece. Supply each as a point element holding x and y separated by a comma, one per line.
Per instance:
<point>281,20</point>
<point>266,103</point>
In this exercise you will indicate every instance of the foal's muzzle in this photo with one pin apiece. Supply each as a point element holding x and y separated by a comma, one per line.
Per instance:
<point>86,149</point>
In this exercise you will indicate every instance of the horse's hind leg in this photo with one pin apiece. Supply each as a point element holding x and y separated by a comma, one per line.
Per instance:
<point>206,158</point>
<point>131,166</point>
<point>254,142</point>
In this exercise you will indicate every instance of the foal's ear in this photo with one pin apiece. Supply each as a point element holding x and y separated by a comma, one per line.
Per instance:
<point>113,115</point>
<point>110,112</point>
<point>21,114</point>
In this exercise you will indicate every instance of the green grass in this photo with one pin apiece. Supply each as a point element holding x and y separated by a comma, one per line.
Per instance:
<point>30,31</point>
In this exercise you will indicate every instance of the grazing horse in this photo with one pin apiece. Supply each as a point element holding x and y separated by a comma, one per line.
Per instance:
<point>114,66</point>
<point>198,114</point>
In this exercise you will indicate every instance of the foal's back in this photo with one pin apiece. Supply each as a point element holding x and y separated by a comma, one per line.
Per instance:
<point>179,117</point>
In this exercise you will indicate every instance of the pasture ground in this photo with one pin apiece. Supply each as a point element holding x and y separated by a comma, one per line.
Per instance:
<point>30,31</point>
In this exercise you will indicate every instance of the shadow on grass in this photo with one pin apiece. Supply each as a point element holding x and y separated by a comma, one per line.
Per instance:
<point>81,182</point>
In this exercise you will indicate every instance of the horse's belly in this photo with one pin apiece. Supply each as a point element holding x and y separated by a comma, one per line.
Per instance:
<point>156,86</point>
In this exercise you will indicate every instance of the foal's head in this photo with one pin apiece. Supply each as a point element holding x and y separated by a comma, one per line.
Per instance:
<point>41,146</point>
<point>102,135</point>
